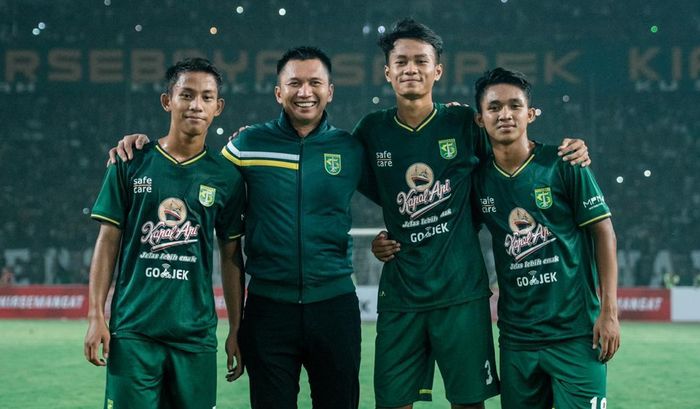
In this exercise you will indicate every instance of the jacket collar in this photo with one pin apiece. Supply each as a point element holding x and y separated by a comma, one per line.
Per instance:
<point>286,126</point>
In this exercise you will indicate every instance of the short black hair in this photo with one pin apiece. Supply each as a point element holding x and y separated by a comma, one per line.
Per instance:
<point>191,65</point>
<point>304,53</point>
<point>409,28</point>
<point>501,76</point>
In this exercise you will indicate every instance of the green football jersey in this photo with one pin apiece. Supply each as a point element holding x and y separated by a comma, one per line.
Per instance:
<point>423,181</point>
<point>167,212</point>
<point>544,256</point>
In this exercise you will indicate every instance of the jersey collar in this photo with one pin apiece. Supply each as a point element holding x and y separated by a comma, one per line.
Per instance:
<point>420,126</point>
<point>185,162</point>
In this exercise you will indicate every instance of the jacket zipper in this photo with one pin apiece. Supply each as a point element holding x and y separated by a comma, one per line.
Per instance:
<point>299,226</point>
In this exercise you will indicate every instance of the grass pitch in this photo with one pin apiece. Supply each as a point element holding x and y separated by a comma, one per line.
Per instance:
<point>42,366</point>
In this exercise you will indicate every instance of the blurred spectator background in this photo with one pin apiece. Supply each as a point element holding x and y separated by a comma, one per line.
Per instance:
<point>77,75</point>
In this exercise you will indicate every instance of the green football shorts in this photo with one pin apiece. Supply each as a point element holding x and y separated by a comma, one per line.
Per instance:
<point>147,374</point>
<point>458,338</point>
<point>566,375</point>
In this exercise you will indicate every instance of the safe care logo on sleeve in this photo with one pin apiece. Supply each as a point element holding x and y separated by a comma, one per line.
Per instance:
<point>143,185</point>
<point>172,229</point>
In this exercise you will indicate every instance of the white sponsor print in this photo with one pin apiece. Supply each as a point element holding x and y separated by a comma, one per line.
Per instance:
<point>424,192</point>
<point>172,228</point>
<point>528,236</point>
<point>384,159</point>
<point>166,273</point>
<point>593,202</point>
<point>143,185</point>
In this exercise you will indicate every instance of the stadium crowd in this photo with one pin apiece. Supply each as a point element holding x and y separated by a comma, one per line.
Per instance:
<point>56,134</point>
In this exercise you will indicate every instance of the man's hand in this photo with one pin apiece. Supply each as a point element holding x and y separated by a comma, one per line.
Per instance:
<point>606,333</point>
<point>233,352</point>
<point>238,132</point>
<point>575,152</point>
<point>383,248</point>
<point>97,334</point>
<point>125,147</point>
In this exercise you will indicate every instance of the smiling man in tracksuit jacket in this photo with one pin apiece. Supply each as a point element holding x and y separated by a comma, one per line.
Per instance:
<point>301,309</point>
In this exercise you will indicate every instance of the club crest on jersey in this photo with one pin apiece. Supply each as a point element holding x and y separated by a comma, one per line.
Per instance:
<point>207,195</point>
<point>543,197</point>
<point>448,148</point>
<point>332,163</point>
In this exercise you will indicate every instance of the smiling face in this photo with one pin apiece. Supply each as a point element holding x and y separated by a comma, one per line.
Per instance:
<point>193,102</point>
<point>412,68</point>
<point>505,113</point>
<point>304,90</point>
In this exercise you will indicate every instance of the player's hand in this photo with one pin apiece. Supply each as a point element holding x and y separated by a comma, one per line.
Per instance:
<point>575,152</point>
<point>238,132</point>
<point>97,334</point>
<point>233,352</point>
<point>606,335</point>
<point>383,248</point>
<point>125,147</point>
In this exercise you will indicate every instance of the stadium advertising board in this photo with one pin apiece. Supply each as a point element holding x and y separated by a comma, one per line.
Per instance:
<point>44,301</point>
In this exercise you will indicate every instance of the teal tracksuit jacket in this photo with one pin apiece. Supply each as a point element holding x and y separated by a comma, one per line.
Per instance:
<point>298,218</point>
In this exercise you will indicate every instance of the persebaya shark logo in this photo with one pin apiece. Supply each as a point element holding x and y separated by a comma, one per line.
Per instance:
<point>448,148</point>
<point>206,195</point>
<point>543,197</point>
<point>332,163</point>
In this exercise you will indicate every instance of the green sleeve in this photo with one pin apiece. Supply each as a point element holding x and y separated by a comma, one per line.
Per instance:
<point>368,182</point>
<point>587,200</point>
<point>230,221</point>
<point>111,204</point>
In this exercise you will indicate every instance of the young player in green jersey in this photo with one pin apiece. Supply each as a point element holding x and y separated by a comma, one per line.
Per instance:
<point>433,294</point>
<point>159,212</point>
<point>301,310</point>
<point>553,243</point>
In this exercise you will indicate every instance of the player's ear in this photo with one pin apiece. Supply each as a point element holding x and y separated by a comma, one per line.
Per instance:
<point>165,101</point>
<point>479,119</point>
<point>278,94</point>
<point>219,106</point>
<point>386,73</point>
<point>330,92</point>
<point>438,72</point>
<point>531,115</point>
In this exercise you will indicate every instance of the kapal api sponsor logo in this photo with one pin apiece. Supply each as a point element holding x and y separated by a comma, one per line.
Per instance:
<point>528,235</point>
<point>172,229</point>
<point>424,192</point>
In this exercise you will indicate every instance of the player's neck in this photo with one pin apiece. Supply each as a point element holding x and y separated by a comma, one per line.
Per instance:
<point>510,157</point>
<point>182,147</point>
<point>305,129</point>
<point>413,112</point>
